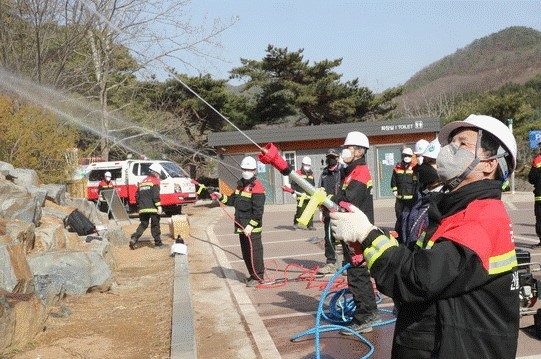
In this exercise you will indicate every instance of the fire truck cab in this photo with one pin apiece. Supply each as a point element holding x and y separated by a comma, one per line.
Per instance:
<point>176,188</point>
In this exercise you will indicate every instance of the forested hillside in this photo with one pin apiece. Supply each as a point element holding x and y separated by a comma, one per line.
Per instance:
<point>510,55</point>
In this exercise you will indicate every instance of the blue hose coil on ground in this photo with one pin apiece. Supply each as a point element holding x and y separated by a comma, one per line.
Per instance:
<point>341,309</point>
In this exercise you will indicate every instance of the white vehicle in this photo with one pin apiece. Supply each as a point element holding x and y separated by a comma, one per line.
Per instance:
<point>176,188</point>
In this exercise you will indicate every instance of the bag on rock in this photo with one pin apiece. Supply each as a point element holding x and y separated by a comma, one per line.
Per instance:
<point>80,223</point>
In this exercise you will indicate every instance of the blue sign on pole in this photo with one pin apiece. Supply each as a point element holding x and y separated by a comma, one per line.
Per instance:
<point>535,138</point>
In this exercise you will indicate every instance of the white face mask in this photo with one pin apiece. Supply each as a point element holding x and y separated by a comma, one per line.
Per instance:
<point>346,155</point>
<point>247,175</point>
<point>406,159</point>
<point>420,160</point>
<point>452,161</point>
<point>306,168</point>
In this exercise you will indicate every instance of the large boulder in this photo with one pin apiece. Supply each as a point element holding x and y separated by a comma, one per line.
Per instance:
<point>56,193</point>
<point>73,272</point>
<point>21,231</point>
<point>25,177</point>
<point>17,202</point>
<point>15,274</point>
<point>50,237</point>
<point>22,317</point>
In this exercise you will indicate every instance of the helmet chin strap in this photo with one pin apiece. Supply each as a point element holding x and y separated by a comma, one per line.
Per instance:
<point>453,183</point>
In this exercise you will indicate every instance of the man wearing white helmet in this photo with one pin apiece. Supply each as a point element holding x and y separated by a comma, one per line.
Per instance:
<point>356,188</point>
<point>300,194</point>
<point>249,202</point>
<point>419,150</point>
<point>150,209</point>
<point>457,290</point>
<point>105,183</point>
<point>404,185</point>
<point>426,172</point>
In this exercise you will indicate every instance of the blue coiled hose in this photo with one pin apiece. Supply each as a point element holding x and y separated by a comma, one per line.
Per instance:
<point>341,309</point>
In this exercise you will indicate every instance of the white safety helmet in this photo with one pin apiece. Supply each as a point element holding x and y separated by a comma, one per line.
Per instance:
<point>107,175</point>
<point>508,149</point>
<point>433,149</point>
<point>407,151</point>
<point>248,163</point>
<point>307,161</point>
<point>356,138</point>
<point>420,147</point>
<point>156,167</point>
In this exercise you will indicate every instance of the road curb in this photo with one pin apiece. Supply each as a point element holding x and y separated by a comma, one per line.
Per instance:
<point>183,345</point>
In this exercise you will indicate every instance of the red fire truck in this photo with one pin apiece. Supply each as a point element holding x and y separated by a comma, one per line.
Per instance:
<point>176,189</point>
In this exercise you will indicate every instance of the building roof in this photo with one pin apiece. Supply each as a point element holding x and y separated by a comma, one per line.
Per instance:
<point>321,132</point>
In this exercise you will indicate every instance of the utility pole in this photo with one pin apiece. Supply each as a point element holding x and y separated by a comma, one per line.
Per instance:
<point>510,125</point>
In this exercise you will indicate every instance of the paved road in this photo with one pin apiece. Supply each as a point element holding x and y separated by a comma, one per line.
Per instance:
<point>272,316</point>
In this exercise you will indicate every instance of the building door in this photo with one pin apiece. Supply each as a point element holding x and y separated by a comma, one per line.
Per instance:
<point>387,159</point>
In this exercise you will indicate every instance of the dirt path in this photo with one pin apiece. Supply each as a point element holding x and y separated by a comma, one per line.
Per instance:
<point>132,320</point>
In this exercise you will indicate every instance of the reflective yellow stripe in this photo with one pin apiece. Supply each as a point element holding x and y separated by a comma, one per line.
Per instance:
<point>429,244</point>
<point>400,171</point>
<point>409,196</point>
<point>157,204</point>
<point>377,248</point>
<point>255,230</point>
<point>201,188</point>
<point>369,184</point>
<point>224,198</point>
<point>302,198</point>
<point>246,194</point>
<point>253,223</point>
<point>538,165</point>
<point>394,189</point>
<point>148,210</point>
<point>502,263</point>
<point>538,198</point>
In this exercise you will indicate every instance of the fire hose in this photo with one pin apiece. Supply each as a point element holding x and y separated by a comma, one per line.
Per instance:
<point>318,197</point>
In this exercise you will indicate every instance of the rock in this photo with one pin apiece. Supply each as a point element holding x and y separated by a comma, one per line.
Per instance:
<point>25,177</point>
<point>56,193</point>
<point>15,274</point>
<point>23,232</point>
<point>17,202</point>
<point>50,237</point>
<point>22,317</point>
<point>74,272</point>
<point>115,234</point>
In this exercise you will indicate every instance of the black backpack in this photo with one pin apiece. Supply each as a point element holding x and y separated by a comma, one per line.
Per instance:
<point>79,223</point>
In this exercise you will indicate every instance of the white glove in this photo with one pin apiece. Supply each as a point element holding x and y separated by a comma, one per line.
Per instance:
<point>395,193</point>
<point>294,195</point>
<point>321,216</point>
<point>160,210</point>
<point>351,226</point>
<point>248,230</point>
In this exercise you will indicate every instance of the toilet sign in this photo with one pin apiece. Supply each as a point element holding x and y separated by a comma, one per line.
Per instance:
<point>535,138</point>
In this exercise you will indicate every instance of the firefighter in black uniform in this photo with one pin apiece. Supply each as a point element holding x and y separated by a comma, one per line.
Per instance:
<point>404,185</point>
<point>534,177</point>
<point>330,180</point>
<point>150,209</point>
<point>300,195</point>
<point>249,202</point>
<point>105,183</point>
<point>356,188</point>
<point>458,289</point>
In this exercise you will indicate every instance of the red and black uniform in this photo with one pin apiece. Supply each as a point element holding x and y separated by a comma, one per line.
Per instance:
<point>458,290</point>
<point>148,200</point>
<point>249,202</point>
<point>303,199</point>
<point>104,184</point>
<point>357,189</point>
<point>405,183</point>
<point>534,177</point>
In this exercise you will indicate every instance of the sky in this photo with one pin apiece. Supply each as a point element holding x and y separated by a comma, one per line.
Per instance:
<point>382,43</point>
